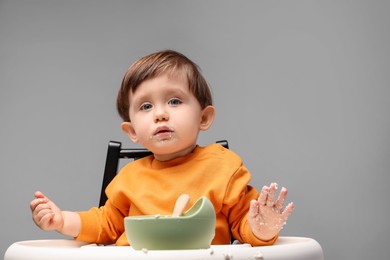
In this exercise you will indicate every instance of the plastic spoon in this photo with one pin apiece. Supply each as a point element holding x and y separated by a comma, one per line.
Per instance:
<point>181,204</point>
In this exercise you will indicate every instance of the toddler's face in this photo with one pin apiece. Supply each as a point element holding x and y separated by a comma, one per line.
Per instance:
<point>165,117</point>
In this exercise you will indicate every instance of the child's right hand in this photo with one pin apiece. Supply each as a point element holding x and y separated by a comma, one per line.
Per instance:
<point>46,215</point>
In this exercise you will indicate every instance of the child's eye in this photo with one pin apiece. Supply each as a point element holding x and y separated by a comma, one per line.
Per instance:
<point>174,102</point>
<point>145,107</point>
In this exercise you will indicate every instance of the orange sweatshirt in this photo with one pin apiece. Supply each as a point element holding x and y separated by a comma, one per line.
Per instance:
<point>149,187</point>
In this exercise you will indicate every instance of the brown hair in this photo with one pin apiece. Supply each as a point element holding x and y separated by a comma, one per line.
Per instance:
<point>156,64</point>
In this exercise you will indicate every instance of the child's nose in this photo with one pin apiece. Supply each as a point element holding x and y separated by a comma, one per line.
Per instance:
<point>160,114</point>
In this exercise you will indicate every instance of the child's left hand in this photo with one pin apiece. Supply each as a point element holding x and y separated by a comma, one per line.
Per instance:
<point>266,216</point>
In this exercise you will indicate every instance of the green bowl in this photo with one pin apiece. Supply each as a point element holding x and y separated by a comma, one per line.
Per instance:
<point>195,229</point>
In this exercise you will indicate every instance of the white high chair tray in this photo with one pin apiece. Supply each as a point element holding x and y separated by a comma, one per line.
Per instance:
<point>285,248</point>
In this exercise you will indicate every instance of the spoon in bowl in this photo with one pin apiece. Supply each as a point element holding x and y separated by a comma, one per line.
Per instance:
<point>181,204</point>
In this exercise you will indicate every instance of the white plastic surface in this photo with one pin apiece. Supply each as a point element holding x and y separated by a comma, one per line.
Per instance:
<point>285,248</point>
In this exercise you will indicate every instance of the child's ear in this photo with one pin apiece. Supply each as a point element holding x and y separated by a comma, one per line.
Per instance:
<point>128,129</point>
<point>207,119</point>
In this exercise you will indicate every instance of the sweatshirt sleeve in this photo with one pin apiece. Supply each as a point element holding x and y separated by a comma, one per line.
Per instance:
<point>236,206</point>
<point>104,225</point>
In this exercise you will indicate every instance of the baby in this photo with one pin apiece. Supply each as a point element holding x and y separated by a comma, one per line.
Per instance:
<point>165,102</point>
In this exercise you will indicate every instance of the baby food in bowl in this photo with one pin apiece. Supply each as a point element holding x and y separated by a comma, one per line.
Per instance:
<point>195,229</point>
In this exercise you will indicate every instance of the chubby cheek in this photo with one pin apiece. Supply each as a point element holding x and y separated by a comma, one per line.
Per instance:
<point>142,133</point>
<point>140,127</point>
<point>188,127</point>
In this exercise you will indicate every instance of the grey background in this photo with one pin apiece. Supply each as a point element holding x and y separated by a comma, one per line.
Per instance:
<point>301,90</point>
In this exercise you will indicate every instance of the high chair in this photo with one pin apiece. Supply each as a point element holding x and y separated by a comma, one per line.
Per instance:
<point>291,248</point>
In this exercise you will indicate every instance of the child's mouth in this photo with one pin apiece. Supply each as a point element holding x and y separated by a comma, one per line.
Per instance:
<point>163,132</point>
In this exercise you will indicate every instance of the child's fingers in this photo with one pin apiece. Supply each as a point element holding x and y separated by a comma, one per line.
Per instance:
<point>42,206</point>
<point>271,195</point>
<point>254,208</point>
<point>42,213</point>
<point>281,199</point>
<point>39,198</point>
<point>288,210</point>
<point>45,220</point>
<point>39,195</point>
<point>36,202</point>
<point>263,196</point>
